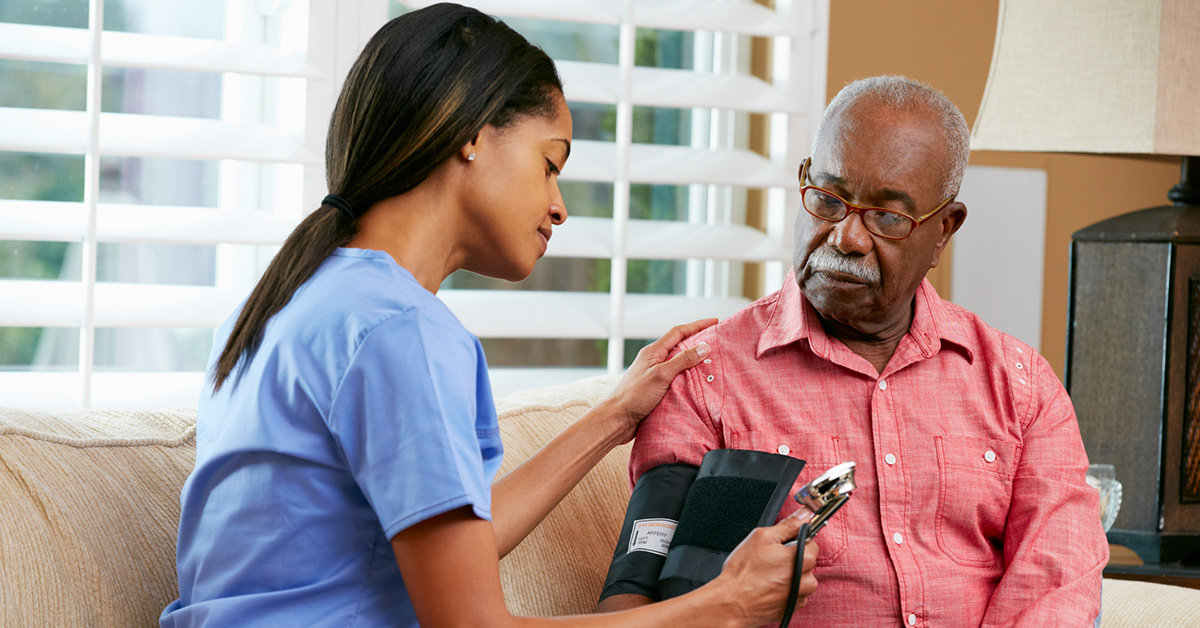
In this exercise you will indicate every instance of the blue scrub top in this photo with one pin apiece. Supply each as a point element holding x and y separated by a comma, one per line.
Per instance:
<point>366,409</point>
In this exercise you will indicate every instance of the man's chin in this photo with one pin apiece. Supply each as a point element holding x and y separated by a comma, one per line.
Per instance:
<point>838,300</point>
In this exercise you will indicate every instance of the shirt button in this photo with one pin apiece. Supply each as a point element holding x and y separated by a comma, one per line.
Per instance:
<point>912,619</point>
<point>989,455</point>
<point>898,538</point>
<point>890,459</point>
<point>711,378</point>
<point>883,384</point>
<point>1020,366</point>
<point>708,361</point>
<point>784,449</point>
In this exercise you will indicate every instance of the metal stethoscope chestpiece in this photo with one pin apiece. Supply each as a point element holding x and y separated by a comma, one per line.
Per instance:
<point>826,494</point>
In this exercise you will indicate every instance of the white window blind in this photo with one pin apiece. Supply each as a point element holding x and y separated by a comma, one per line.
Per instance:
<point>150,154</point>
<point>698,183</point>
<point>167,148</point>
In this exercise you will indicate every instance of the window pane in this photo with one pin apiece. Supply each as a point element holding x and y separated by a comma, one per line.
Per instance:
<point>660,125</point>
<point>185,18</point>
<point>67,13</point>
<point>162,92</point>
<point>665,49</point>
<point>632,346</point>
<point>40,260</point>
<point>654,276</point>
<point>179,264</point>
<point>180,18</point>
<point>555,352</point>
<point>36,85</point>
<point>585,198</point>
<point>41,177</point>
<point>529,352</point>
<point>39,348</point>
<point>592,121</point>
<point>152,348</point>
<point>158,181</point>
<point>658,202</point>
<point>570,41</point>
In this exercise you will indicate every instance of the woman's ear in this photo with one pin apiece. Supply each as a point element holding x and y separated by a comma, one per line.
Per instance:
<point>469,150</point>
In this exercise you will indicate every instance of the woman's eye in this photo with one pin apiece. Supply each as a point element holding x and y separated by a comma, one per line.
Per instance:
<point>551,168</point>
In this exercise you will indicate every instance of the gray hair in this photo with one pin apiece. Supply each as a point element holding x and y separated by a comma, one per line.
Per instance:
<point>901,92</point>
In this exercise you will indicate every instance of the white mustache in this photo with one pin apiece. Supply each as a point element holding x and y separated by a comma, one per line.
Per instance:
<point>824,259</point>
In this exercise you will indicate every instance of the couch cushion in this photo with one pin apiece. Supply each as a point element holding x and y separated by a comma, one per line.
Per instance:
<point>90,513</point>
<point>560,567</point>
<point>1129,604</point>
<point>91,510</point>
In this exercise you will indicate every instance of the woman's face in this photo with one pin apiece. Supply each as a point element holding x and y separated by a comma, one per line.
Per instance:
<point>512,196</point>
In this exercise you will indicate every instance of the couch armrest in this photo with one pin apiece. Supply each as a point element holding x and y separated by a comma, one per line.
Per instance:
<point>560,567</point>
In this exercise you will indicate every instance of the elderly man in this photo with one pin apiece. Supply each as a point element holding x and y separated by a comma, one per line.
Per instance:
<point>971,506</point>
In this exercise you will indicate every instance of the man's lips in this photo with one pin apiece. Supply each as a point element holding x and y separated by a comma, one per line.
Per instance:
<point>545,232</point>
<point>839,276</point>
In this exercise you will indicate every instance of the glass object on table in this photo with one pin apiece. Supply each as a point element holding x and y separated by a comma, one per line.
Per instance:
<point>1103,478</point>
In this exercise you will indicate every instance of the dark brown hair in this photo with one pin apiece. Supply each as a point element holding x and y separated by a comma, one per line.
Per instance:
<point>425,84</point>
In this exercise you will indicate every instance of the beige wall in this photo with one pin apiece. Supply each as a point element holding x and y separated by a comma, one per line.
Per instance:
<point>948,44</point>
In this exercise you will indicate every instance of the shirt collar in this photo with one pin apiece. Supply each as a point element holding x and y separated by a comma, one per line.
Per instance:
<point>794,319</point>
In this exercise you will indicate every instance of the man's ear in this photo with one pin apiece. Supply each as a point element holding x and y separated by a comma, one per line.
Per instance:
<point>952,218</point>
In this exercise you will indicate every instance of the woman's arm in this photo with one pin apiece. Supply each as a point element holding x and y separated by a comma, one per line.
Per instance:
<point>523,497</point>
<point>451,570</point>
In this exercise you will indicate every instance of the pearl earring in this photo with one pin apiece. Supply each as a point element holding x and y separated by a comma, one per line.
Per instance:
<point>470,156</point>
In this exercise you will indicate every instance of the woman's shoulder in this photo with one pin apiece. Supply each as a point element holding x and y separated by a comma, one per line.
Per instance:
<point>368,280</point>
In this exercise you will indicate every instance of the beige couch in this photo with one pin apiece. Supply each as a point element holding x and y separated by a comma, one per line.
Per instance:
<point>89,503</point>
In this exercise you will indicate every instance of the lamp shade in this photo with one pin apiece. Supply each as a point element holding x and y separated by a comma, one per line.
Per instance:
<point>1093,76</point>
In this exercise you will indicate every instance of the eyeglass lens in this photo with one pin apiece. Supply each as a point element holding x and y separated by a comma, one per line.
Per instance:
<point>880,222</point>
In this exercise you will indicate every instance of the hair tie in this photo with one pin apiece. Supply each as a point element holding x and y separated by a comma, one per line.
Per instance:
<point>341,204</point>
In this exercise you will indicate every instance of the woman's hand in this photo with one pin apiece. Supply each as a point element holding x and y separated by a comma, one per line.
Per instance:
<point>647,379</point>
<point>758,573</point>
<point>524,496</point>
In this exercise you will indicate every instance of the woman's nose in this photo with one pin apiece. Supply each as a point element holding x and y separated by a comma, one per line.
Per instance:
<point>558,207</point>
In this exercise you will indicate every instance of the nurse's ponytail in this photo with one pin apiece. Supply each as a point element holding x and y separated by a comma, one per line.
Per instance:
<point>424,85</point>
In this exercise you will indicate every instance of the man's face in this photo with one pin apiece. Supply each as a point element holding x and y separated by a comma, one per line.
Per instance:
<point>873,156</point>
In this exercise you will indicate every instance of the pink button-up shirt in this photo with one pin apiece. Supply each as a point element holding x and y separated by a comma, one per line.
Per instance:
<point>971,507</point>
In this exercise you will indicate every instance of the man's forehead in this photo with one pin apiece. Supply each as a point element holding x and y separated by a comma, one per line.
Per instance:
<point>888,153</point>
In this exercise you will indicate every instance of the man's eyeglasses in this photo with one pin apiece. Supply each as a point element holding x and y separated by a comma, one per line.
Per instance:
<point>884,223</point>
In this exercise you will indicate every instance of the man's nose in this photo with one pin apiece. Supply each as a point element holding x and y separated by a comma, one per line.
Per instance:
<point>850,235</point>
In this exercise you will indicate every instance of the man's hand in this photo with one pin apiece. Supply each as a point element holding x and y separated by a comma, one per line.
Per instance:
<point>647,379</point>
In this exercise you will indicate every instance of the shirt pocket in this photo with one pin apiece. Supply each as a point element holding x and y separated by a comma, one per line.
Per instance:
<point>820,453</point>
<point>975,480</point>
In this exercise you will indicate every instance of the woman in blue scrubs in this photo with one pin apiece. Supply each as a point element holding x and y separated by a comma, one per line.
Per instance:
<point>347,441</point>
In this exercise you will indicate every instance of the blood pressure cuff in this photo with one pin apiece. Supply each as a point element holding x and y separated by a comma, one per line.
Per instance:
<point>682,522</point>
<point>650,522</point>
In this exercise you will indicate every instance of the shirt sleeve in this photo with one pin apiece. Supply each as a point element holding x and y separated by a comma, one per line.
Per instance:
<point>1054,546</point>
<point>679,430</point>
<point>405,415</point>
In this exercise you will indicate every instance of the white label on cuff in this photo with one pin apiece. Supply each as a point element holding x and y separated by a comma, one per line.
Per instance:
<point>652,535</point>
